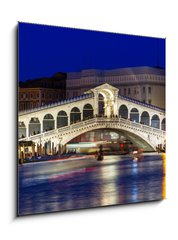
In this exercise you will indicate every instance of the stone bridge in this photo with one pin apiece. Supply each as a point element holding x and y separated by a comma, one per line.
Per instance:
<point>100,108</point>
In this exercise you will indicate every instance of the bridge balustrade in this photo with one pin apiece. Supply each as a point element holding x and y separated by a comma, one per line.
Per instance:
<point>146,128</point>
<point>103,120</point>
<point>66,128</point>
<point>49,132</point>
<point>123,120</point>
<point>157,130</point>
<point>135,124</point>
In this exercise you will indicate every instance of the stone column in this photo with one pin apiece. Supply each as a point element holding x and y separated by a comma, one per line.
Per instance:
<point>40,149</point>
<point>151,115</point>
<point>107,107</point>
<point>115,103</point>
<point>41,125</point>
<point>52,148</point>
<point>43,150</point>
<point>34,150</point>
<point>139,116</point>
<point>95,102</point>
<point>26,122</point>
<point>59,149</point>
<point>64,148</point>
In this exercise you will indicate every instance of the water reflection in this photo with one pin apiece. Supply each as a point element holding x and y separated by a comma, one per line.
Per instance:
<point>109,192</point>
<point>57,186</point>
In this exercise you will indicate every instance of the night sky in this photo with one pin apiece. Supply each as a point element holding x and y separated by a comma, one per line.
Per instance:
<point>45,50</point>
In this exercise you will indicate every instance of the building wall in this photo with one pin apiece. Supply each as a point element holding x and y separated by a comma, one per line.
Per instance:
<point>132,82</point>
<point>30,98</point>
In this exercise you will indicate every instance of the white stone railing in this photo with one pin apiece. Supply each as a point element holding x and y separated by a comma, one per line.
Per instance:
<point>100,120</point>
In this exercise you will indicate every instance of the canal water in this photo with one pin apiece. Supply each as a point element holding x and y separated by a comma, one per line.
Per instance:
<point>85,183</point>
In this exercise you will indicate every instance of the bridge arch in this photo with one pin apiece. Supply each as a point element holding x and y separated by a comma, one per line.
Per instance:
<point>145,118</point>
<point>21,130</point>
<point>106,100</point>
<point>123,111</point>
<point>155,121</point>
<point>163,124</point>
<point>62,119</point>
<point>34,126</point>
<point>101,104</point>
<point>48,122</point>
<point>134,115</point>
<point>141,139</point>
<point>87,111</point>
<point>75,115</point>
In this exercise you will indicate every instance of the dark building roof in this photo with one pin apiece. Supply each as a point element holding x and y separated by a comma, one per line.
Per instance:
<point>58,80</point>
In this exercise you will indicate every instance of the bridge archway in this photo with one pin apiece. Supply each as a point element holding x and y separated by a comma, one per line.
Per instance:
<point>62,119</point>
<point>48,122</point>
<point>125,135</point>
<point>87,111</point>
<point>75,115</point>
<point>21,130</point>
<point>163,124</point>
<point>123,111</point>
<point>134,115</point>
<point>145,118</point>
<point>34,126</point>
<point>101,104</point>
<point>106,100</point>
<point>155,121</point>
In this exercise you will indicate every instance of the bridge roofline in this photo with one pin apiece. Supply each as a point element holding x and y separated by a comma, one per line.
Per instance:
<point>55,104</point>
<point>103,86</point>
<point>142,103</point>
<point>90,94</point>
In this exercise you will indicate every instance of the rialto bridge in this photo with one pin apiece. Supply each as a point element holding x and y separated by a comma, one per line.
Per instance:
<point>99,108</point>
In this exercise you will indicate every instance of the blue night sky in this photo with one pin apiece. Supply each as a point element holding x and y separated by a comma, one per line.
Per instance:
<point>45,50</point>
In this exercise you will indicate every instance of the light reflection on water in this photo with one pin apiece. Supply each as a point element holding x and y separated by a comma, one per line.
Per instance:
<point>56,186</point>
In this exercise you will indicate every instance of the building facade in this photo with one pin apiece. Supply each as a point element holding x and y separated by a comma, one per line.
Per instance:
<point>39,92</point>
<point>30,98</point>
<point>145,84</point>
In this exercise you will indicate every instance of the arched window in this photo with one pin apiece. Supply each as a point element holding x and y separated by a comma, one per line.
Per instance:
<point>163,124</point>
<point>34,126</point>
<point>134,115</point>
<point>75,115</point>
<point>62,119</point>
<point>87,111</point>
<point>155,121</point>
<point>21,130</point>
<point>48,122</point>
<point>145,118</point>
<point>101,111</point>
<point>123,111</point>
